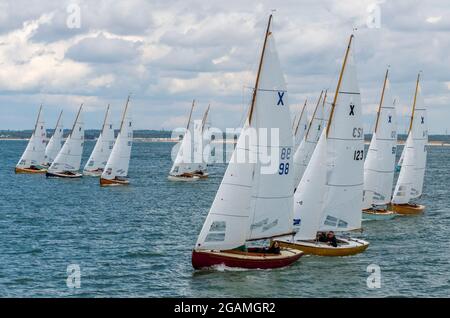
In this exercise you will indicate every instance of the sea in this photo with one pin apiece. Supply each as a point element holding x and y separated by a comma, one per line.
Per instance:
<point>72,238</point>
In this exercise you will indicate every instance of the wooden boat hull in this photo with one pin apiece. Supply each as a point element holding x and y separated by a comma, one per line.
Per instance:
<point>377,215</point>
<point>113,182</point>
<point>407,209</point>
<point>29,170</point>
<point>351,247</point>
<point>63,174</point>
<point>248,260</point>
<point>188,177</point>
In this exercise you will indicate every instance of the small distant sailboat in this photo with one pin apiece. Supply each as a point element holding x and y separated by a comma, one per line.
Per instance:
<point>189,164</point>
<point>67,162</point>
<point>304,152</point>
<point>116,169</point>
<point>102,149</point>
<point>55,143</point>
<point>252,204</point>
<point>32,159</point>
<point>410,180</point>
<point>300,126</point>
<point>340,186</point>
<point>380,160</point>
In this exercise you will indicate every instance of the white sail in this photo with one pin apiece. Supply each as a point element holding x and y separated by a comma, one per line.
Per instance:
<point>308,199</point>
<point>304,152</point>
<point>55,143</point>
<point>301,126</point>
<point>35,151</point>
<point>103,147</point>
<point>402,192</point>
<point>255,201</point>
<point>343,201</point>
<point>69,158</point>
<point>419,132</point>
<point>380,160</point>
<point>400,160</point>
<point>119,159</point>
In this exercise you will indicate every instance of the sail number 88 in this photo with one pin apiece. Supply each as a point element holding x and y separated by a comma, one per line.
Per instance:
<point>284,166</point>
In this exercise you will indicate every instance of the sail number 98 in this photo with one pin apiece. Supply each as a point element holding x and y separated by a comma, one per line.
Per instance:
<point>284,166</point>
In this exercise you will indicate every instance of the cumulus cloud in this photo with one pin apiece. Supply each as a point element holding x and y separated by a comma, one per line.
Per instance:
<point>167,53</point>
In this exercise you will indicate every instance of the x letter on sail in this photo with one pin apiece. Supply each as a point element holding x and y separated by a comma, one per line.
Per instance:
<point>352,110</point>
<point>280,98</point>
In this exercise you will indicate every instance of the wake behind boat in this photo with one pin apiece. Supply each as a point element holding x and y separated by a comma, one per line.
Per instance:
<point>67,162</point>
<point>252,204</point>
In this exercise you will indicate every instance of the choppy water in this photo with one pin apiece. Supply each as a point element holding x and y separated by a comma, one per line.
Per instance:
<point>137,240</point>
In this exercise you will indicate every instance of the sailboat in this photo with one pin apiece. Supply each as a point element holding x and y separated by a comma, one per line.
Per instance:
<point>380,160</point>
<point>304,152</point>
<point>254,202</point>
<point>410,180</point>
<point>55,143</point>
<point>67,162</point>
<point>331,199</point>
<point>300,126</point>
<point>188,164</point>
<point>32,158</point>
<point>102,149</point>
<point>116,169</point>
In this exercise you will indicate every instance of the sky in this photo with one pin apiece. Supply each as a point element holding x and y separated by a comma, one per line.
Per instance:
<point>168,52</point>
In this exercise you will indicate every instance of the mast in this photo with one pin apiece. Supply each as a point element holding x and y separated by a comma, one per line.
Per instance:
<point>125,111</point>
<point>333,105</point>
<point>37,119</point>
<point>76,119</point>
<point>300,118</point>
<point>106,117</point>
<point>314,114</point>
<point>190,114</point>
<point>250,114</point>
<point>57,122</point>
<point>205,116</point>
<point>414,103</point>
<point>381,99</point>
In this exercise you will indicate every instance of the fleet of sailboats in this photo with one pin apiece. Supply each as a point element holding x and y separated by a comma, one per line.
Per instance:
<point>317,187</point>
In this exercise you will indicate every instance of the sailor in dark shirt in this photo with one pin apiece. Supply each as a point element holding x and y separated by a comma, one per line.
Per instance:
<point>331,239</point>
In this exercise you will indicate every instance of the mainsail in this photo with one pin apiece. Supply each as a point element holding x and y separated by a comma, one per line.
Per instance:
<point>304,152</point>
<point>69,158</point>
<point>380,160</point>
<point>254,200</point>
<point>103,146</point>
<point>345,137</point>
<point>55,143</point>
<point>119,159</point>
<point>35,151</point>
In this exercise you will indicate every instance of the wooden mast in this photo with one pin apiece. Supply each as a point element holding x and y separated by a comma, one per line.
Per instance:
<point>301,116</point>
<point>205,116</point>
<point>190,114</point>
<point>414,103</point>
<point>76,119</point>
<point>104,121</point>
<point>333,105</point>
<point>252,105</point>
<point>37,119</point>
<point>381,99</point>
<point>314,114</point>
<point>124,112</point>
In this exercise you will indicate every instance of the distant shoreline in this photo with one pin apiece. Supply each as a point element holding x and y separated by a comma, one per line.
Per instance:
<point>227,141</point>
